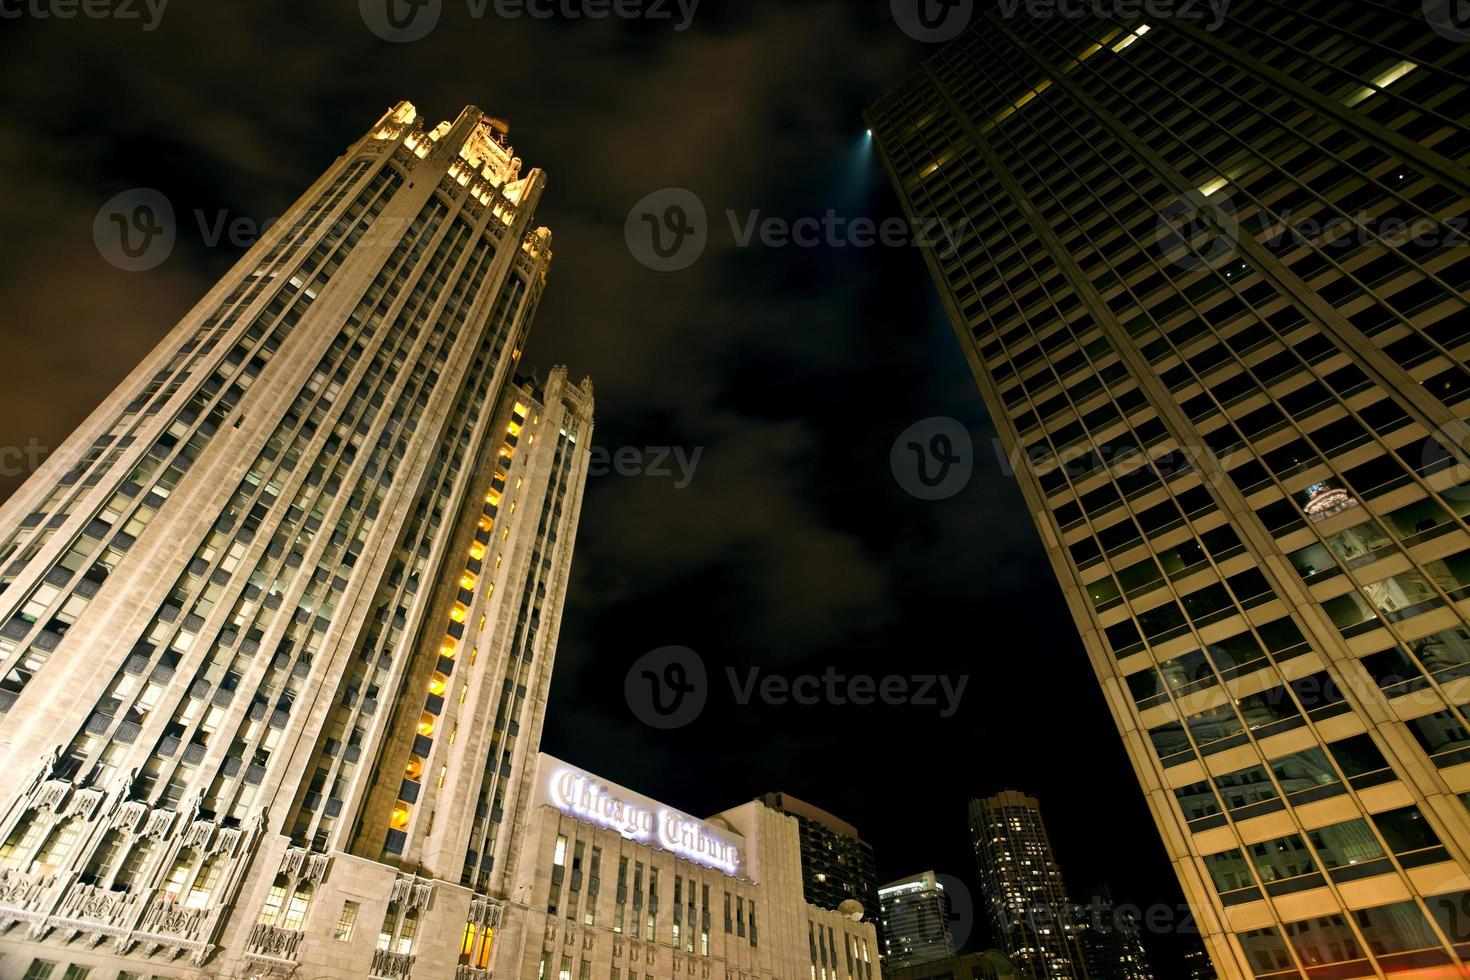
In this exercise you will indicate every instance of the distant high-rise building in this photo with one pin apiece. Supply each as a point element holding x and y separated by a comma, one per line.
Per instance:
<point>1024,896</point>
<point>1197,963</point>
<point>1112,948</point>
<point>915,924</point>
<point>836,864</point>
<point>279,617</point>
<point>1213,291</point>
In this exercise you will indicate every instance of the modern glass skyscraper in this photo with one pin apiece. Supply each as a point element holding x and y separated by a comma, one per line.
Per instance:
<point>915,921</point>
<point>1025,899</point>
<point>1214,297</point>
<point>278,619</point>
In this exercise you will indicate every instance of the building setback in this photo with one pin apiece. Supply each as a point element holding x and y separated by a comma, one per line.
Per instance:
<point>837,865</point>
<point>915,921</point>
<point>1025,898</point>
<point>1232,384</point>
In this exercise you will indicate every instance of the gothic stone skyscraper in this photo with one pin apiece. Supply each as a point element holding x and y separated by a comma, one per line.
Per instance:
<point>277,621</point>
<point>1240,435</point>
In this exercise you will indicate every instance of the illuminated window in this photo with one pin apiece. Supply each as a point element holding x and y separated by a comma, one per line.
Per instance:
<point>437,684</point>
<point>559,858</point>
<point>273,902</point>
<point>399,819</point>
<point>21,842</point>
<point>296,909</point>
<point>202,889</point>
<point>426,724</point>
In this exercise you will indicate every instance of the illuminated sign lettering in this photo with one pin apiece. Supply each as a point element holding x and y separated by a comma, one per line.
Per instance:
<point>584,797</point>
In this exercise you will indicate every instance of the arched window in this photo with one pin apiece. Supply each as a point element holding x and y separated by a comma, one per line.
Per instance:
<point>178,874</point>
<point>202,889</point>
<point>133,865</point>
<point>104,855</point>
<point>58,847</point>
<point>271,910</point>
<point>21,842</point>
<point>296,910</point>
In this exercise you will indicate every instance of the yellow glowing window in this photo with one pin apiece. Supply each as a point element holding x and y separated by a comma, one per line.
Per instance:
<point>414,769</point>
<point>519,410</point>
<point>426,724</point>
<point>482,956</point>
<point>477,550</point>
<point>447,648</point>
<point>458,613</point>
<point>399,820</point>
<point>467,580</point>
<point>493,498</point>
<point>437,684</point>
<point>514,428</point>
<point>468,944</point>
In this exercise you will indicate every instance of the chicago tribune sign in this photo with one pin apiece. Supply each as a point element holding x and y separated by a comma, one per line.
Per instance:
<point>636,817</point>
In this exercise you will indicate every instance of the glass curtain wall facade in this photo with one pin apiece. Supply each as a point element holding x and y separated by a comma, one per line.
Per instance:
<point>1214,296</point>
<point>278,618</point>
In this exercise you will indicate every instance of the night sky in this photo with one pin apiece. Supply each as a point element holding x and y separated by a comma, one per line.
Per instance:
<point>792,370</point>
